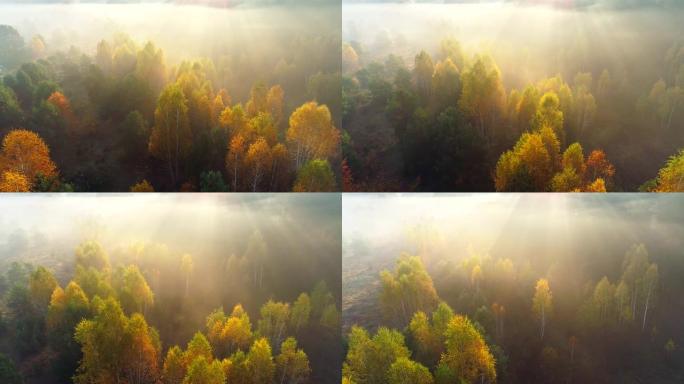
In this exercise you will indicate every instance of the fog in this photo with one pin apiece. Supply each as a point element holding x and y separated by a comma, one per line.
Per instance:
<point>301,233</point>
<point>509,225</point>
<point>570,238</point>
<point>527,42</point>
<point>255,37</point>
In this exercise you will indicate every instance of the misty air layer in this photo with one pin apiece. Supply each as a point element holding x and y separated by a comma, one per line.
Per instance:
<point>180,288</point>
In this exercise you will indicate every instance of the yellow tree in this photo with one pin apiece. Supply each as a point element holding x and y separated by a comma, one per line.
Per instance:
<point>598,185</point>
<point>292,364</point>
<point>542,304</point>
<point>671,176</point>
<point>467,356</point>
<point>274,100</point>
<point>24,152</point>
<point>143,186</point>
<point>262,125</point>
<point>237,330</point>
<point>258,160</point>
<point>141,351</point>
<point>235,120</point>
<point>312,134</point>
<point>235,159</point>
<point>217,107</point>
<point>260,363</point>
<point>598,166</point>
<point>171,137</point>
<point>14,182</point>
<point>258,101</point>
<point>116,348</point>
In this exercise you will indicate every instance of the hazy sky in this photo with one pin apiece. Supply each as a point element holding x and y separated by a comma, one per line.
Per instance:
<point>507,224</point>
<point>199,222</point>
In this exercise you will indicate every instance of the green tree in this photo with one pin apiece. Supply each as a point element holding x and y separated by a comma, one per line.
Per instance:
<point>482,95</point>
<point>368,360</point>
<point>604,299</point>
<point>10,111</point>
<point>197,347</point>
<point>67,308</point>
<point>446,84</point>
<point>549,115</point>
<point>407,290</point>
<point>201,371</point>
<point>292,364</point>
<point>212,181</point>
<point>132,289</point>
<point>115,347</point>
<point>406,371</point>
<point>573,157</point>
<point>171,137</point>
<point>91,254</point>
<point>315,176</point>
<point>259,362</point>
<point>174,366</point>
<point>8,372</point>
<point>135,135</point>
<point>422,72</point>
<point>274,320</point>
<point>41,285</point>
<point>301,311</point>
<point>467,355</point>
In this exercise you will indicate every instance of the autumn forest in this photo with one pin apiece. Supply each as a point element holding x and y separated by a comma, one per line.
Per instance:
<point>341,191</point>
<point>512,289</point>
<point>510,96</point>
<point>245,101</point>
<point>112,299</point>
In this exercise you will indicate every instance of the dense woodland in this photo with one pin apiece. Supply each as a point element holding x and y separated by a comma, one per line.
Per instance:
<point>125,114</point>
<point>540,100</point>
<point>146,312</point>
<point>539,313</point>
